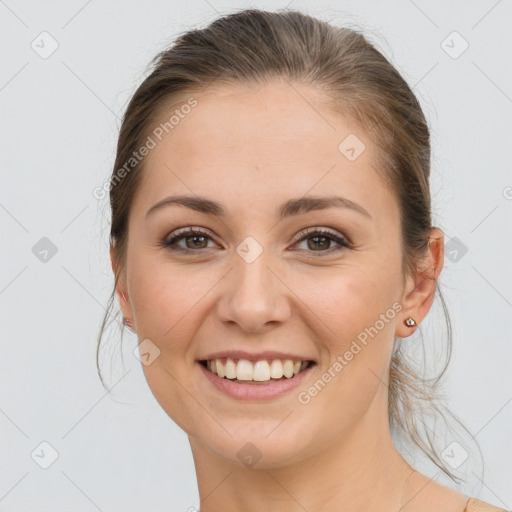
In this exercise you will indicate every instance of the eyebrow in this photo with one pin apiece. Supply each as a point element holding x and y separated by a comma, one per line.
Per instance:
<point>292,207</point>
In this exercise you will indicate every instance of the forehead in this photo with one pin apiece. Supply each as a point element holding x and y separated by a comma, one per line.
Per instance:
<point>276,121</point>
<point>272,141</point>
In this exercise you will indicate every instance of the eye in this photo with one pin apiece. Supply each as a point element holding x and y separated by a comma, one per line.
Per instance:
<point>318,239</point>
<point>194,238</point>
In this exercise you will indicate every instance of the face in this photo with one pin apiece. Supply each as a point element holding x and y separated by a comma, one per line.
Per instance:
<point>260,276</point>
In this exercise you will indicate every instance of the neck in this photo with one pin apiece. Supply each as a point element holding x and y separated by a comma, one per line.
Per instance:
<point>337,477</point>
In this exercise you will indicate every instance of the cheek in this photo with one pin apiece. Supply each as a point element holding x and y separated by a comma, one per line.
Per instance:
<point>354,324</point>
<point>168,304</point>
<point>168,300</point>
<point>349,299</point>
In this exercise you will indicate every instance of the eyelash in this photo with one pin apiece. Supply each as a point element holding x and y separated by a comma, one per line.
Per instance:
<point>342,242</point>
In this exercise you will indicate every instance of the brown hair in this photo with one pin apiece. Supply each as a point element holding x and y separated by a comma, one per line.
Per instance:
<point>254,46</point>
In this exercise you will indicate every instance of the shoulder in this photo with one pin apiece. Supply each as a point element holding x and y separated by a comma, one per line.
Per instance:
<point>426,495</point>
<point>475,505</point>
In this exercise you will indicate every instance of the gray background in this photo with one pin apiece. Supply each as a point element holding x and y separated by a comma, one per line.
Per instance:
<point>59,120</point>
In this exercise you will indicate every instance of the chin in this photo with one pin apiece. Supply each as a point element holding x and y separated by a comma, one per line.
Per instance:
<point>257,445</point>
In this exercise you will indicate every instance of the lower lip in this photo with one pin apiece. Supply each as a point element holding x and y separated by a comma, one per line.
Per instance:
<point>255,392</point>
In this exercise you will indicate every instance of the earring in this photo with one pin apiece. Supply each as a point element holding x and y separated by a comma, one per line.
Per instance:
<point>127,323</point>
<point>410,322</point>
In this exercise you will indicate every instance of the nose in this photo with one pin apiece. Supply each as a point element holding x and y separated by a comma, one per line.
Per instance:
<point>254,296</point>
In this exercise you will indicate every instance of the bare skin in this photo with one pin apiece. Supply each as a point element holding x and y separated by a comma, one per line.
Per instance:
<point>251,150</point>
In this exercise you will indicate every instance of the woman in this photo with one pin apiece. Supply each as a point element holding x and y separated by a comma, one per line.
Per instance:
<point>272,247</point>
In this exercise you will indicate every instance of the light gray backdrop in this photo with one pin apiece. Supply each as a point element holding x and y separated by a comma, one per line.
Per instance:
<point>68,70</point>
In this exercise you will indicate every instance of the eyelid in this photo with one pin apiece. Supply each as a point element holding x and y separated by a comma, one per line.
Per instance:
<point>188,230</point>
<point>181,233</point>
<point>342,241</point>
<point>321,230</point>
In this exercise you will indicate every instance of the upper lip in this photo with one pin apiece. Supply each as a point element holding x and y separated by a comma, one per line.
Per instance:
<point>241,354</point>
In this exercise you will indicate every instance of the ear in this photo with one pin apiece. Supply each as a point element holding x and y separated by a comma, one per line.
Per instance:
<point>420,289</point>
<point>122,291</point>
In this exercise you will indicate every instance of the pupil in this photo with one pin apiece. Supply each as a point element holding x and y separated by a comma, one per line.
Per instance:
<point>195,238</point>
<point>316,238</point>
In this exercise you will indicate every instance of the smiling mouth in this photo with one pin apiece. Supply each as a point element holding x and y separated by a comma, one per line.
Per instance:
<point>243,371</point>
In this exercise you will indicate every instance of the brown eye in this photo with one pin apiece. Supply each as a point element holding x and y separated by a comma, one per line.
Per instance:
<point>194,239</point>
<point>320,240</point>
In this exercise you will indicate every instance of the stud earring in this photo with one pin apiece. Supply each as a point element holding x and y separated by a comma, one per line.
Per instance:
<point>127,323</point>
<point>410,322</point>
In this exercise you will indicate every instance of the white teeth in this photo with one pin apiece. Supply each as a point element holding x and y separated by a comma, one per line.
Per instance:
<point>244,370</point>
<point>288,368</point>
<point>260,371</point>
<point>276,369</point>
<point>221,370</point>
<point>230,368</point>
